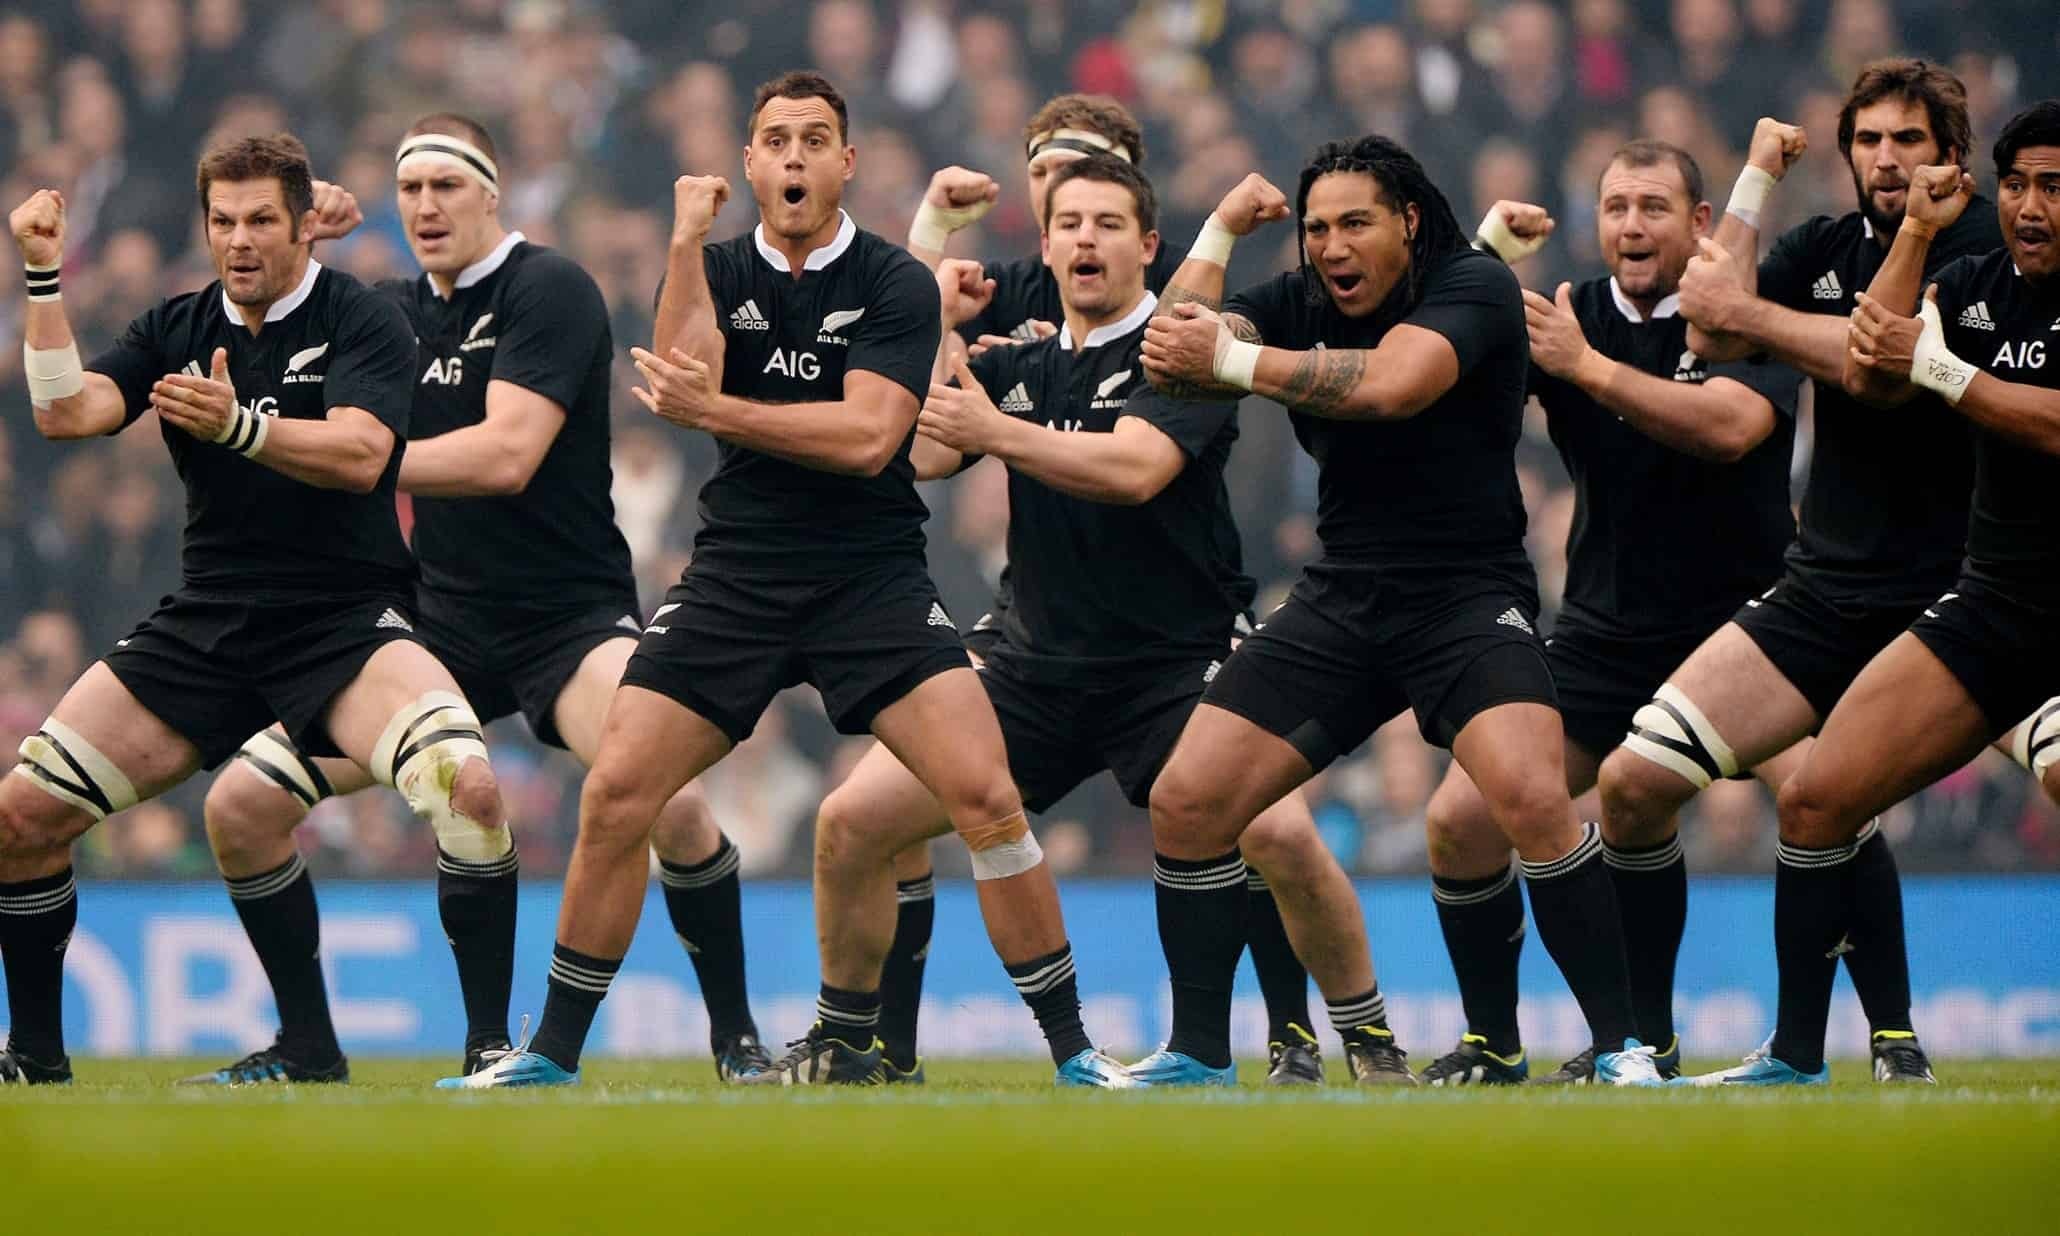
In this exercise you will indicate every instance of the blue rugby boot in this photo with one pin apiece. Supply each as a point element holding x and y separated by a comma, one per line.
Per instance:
<point>1174,1068</point>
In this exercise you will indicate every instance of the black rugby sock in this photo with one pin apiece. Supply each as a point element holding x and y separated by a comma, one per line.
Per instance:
<point>1576,909</point>
<point>1049,986</point>
<point>850,1017</point>
<point>1483,922</point>
<point>706,906</point>
<point>1812,913</point>
<point>1201,911</point>
<point>901,980</point>
<point>36,921</point>
<point>1652,897</point>
<point>1878,957</point>
<point>476,901</point>
<point>285,928</point>
<point>577,984</point>
<point>1282,978</point>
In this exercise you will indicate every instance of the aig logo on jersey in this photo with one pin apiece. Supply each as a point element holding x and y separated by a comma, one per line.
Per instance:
<point>446,371</point>
<point>265,406</point>
<point>297,364</point>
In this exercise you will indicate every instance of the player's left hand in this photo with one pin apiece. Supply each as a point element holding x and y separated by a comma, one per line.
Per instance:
<point>1937,195</point>
<point>1557,344</point>
<point>1882,339</point>
<point>1711,289</point>
<point>682,389</point>
<point>961,417</point>
<point>336,212</point>
<point>202,407</point>
<point>1181,346</point>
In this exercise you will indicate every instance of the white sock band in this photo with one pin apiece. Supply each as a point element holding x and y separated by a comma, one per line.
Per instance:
<point>1213,243</point>
<point>53,373</point>
<point>1749,195</point>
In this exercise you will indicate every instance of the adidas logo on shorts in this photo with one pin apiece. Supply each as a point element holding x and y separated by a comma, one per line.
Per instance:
<point>1017,400</point>
<point>747,317</point>
<point>1511,618</point>
<point>938,618</point>
<point>392,620</point>
<point>1976,317</point>
<point>1826,287</point>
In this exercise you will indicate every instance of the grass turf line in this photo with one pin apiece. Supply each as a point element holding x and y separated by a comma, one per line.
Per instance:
<point>989,1146</point>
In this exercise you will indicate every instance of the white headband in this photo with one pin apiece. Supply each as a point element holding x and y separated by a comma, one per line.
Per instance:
<point>427,150</point>
<point>1074,141</point>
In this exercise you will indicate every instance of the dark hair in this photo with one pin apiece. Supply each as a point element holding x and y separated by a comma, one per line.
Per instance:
<point>279,157</point>
<point>453,125</point>
<point>1096,113</point>
<point>801,84</point>
<point>1915,81</point>
<point>1651,152</point>
<point>1108,169</point>
<point>1399,182</point>
<point>2037,125</point>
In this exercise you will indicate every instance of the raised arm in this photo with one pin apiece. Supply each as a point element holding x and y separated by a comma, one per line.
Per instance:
<point>1937,197</point>
<point>1774,148</point>
<point>686,318</point>
<point>67,401</point>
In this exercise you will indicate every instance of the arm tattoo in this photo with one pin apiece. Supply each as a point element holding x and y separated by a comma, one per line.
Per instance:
<point>1322,380</point>
<point>1175,294</point>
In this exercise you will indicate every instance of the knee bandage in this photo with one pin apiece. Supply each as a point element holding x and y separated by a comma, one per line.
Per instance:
<point>1002,849</point>
<point>420,754</point>
<point>281,763</point>
<point>2036,743</point>
<point>1672,732</point>
<point>69,769</point>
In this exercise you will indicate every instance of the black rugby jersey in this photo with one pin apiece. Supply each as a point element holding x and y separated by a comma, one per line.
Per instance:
<point>331,342</point>
<point>860,303</point>
<point>527,315</point>
<point>1025,290</point>
<point>1885,515</point>
<point>1100,588</point>
<point>1663,540</point>
<point>1438,487</point>
<point>2000,321</point>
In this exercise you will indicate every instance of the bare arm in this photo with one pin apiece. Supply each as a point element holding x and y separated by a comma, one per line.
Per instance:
<point>1128,466</point>
<point>499,455</point>
<point>347,450</point>
<point>933,460</point>
<point>857,435</point>
<point>2023,413</point>
<point>1719,419</point>
<point>686,308</point>
<point>1742,240</point>
<point>97,408</point>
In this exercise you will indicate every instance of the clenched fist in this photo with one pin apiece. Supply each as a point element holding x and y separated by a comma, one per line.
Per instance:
<point>39,228</point>
<point>1253,202</point>
<point>696,200</point>
<point>1776,146</point>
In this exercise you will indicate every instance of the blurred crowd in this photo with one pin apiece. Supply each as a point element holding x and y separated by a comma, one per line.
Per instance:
<point>597,106</point>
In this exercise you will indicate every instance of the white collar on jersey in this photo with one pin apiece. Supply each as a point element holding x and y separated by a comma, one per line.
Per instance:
<point>1109,331</point>
<point>817,259</point>
<point>1666,308</point>
<point>285,304</point>
<point>1867,227</point>
<point>485,266</point>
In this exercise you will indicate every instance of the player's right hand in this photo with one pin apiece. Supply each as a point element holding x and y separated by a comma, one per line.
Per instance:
<point>963,289</point>
<point>39,228</point>
<point>696,200</point>
<point>1039,329</point>
<point>336,212</point>
<point>1776,146</point>
<point>1937,195</point>
<point>1711,289</point>
<point>956,188</point>
<point>1253,202</point>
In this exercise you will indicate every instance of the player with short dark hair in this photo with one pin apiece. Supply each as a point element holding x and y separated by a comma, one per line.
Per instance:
<point>1398,353</point>
<point>1680,472</point>
<point>526,594</point>
<point>282,390</point>
<point>1882,529</point>
<point>1970,666</point>
<point>804,348</point>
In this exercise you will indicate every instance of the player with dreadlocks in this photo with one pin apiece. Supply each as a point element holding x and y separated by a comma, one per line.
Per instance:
<point>1400,354</point>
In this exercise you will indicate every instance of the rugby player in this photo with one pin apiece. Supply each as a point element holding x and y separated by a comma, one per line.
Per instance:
<point>283,393</point>
<point>1397,350</point>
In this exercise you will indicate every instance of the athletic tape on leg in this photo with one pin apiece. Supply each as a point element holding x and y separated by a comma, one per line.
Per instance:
<point>2036,743</point>
<point>420,753</point>
<point>1672,732</point>
<point>1002,849</point>
<point>70,769</point>
<point>281,763</point>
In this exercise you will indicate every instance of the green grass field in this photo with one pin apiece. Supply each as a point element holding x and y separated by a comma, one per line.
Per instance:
<point>990,1147</point>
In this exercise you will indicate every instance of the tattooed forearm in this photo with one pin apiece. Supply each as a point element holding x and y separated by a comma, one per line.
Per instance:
<point>1322,380</point>
<point>1175,295</point>
<point>1239,326</point>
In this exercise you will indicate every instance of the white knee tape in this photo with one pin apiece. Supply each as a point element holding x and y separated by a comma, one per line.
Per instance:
<point>1672,732</point>
<point>69,769</point>
<point>281,763</point>
<point>1009,858</point>
<point>2036,743</point>
<point>420,754</point>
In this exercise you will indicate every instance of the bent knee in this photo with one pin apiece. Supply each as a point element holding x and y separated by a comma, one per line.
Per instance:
<point>686,831</point>
<point>1638,796</point>
<point>476,794</point>
<point>243,814</point>
<point>1282,844</point>
<point>1814,815</point>
<point>1191,809</point>
<point>1461,837</point>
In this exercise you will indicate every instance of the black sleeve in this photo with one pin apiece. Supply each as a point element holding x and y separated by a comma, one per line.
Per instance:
<point>556,320</point>
<point>898,336</point>
<point>1267,307</point>
<point>374,366</point>
<point>1785,272</point>
<point>1955,282</point>
<point>1192,424</point>
<point>1475,302</point>
<point>1769,379</point>
<point>135,362</point>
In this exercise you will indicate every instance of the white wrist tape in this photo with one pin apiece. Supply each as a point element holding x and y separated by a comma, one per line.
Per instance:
<point>53,373</point>
<point>1214,242</point>
<point>1236,360</point>
<point>245,432</point>
<point>1749,195</point>
<point>933,224</point>
<point>1933,365</point>
<point>1495,233</point>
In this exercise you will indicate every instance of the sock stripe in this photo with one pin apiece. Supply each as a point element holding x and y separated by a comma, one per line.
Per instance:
<point>1226,874</point>
<point>1800,856</point>
<point>583,978</point>
<point>1471,897</point>
<point>1351,1014</point>
<point>1590,846</point>
<point>26,904</point>
<point>269,883</point>
<point>1656,859</point>
<point>827,1011</point>
<point>486,869</point>
<point>1045,978</point>
<point>721,866</point>
<point>924,889</point>
<point>1255,881</point>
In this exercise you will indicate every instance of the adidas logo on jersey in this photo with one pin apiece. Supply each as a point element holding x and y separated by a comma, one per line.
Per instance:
<point>1025,331</point>
<point>1975,316</point>
<point>301,360</point>
<point>1511,618</point>
<point>392,620</point>
<point>1105,396</point>
<point>474,340</point>
<point>747,317</point>
<point>1018,400</point>
<point>938,618</point>
<point>1826,287</point>
<point>832,329</point>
